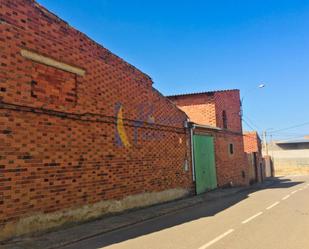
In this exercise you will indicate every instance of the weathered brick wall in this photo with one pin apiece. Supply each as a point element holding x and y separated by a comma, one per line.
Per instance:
<point>234,167</point>
<point>199,107</point>
<point>252,142</point>
<point>68,139</point>
<point>231,168</point>
<point>228,101</point>
<point>257,170</point>
<point>206,109</point>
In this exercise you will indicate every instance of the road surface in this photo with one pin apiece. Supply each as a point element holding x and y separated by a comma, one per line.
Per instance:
<point>276,218</point>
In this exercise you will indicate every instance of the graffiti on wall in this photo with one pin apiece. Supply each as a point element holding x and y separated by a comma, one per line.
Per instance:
<point>145,114</point>
<point>121,135</point>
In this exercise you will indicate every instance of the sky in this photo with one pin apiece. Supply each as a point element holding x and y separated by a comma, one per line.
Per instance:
<point>196,46</point>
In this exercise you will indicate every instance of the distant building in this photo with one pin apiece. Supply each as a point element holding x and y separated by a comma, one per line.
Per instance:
<point>215,117</point>
<point>290,154</point>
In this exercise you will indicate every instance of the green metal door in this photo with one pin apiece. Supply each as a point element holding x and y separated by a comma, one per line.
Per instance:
<point>204,160</point>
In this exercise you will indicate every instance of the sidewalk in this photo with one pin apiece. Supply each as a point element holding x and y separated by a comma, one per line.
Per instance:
<point>90,229</point>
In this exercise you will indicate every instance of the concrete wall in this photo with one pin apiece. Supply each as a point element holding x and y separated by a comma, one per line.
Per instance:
<point>269,167</point>
<point>256,164</point>
<point>42,222</point>
<point>289,156</point>
<point>251,170</point>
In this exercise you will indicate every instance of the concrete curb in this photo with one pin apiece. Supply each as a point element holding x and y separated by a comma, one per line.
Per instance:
<point>77,233</point>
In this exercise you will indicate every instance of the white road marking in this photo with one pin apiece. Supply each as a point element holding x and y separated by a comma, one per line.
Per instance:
<point>273,205</point>
<point>217,239</point>
<point>300,189</point>
<point>295,191</point>
<point>252,217</point>
<point>286,197</point>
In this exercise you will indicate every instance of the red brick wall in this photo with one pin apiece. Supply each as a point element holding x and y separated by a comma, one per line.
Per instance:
<point>252,142</point>
<point>199,107</point>
<point>230,168</point>
<point>233,167</point>
<point>253,145</point>
<point>228,101</point>
<point>206,109</point>
<point>60,143</point>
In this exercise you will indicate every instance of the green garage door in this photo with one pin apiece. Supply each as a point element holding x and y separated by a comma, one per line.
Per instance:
<point>204,160</point>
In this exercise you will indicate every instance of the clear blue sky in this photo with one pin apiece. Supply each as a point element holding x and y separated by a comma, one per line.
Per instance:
<point>191,46</point>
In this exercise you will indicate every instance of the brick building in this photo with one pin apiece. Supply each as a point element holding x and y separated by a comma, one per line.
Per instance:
<point>253,149</point>
<point>218,114</point>
<point>82,132</point>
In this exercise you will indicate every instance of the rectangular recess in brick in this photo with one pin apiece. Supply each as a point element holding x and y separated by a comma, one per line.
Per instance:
<point>53,85</point>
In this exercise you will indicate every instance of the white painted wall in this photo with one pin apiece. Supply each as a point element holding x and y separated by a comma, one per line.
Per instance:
<point>289,156</point>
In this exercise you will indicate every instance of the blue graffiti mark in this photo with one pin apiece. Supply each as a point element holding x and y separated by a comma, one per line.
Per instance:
<point>146,113</point>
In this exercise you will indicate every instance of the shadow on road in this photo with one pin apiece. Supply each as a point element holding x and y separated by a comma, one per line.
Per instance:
<point>201,210</point>
<point>281,182</point>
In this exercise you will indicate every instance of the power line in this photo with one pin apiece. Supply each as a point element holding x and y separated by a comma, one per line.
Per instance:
<point>251,123</point>
<point>288,134</point>
<point>291,127</point>
<point>291,138</point>
<point>247,124</point>
<point>250,126</point>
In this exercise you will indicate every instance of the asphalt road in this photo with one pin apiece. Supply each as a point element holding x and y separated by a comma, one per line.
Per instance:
<point>276,217</point>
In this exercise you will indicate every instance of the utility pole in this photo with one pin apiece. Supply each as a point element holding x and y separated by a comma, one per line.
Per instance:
<point>271,146</point>
<point>265,143</point>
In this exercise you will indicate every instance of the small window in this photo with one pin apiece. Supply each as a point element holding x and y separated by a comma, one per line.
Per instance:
<point>231,149</point>
<point>224,119</point>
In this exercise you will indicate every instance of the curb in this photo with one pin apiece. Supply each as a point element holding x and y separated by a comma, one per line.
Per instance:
<point>177,205</point>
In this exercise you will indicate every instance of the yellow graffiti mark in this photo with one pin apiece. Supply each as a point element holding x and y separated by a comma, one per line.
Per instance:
<point>151,119</point>
<point>120,128</point>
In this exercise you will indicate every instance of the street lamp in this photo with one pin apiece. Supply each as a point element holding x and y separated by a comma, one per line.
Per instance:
<point>242,99</point>
<point>259,87</point>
